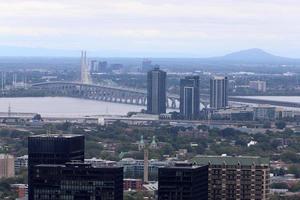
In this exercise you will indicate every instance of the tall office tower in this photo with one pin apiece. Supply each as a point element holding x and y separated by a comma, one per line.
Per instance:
<point>190,97</point>
<point>94,66</point>
<point>238,177</point>
<point>52,149</point>
<point>7,166</point>
<point>102,66</point>
<point>218,92</point>
<point>77,181</point>
<point>183,182</point>
<point>156,91</point>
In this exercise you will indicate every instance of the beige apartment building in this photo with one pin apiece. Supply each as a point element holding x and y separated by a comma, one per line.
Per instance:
<point>7,166</point>
<point>236,178</point>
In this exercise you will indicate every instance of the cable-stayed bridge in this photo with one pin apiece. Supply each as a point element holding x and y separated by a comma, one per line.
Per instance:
<point>100,92</point>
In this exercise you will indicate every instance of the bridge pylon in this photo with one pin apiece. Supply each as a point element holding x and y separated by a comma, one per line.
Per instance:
<point>84,71</point>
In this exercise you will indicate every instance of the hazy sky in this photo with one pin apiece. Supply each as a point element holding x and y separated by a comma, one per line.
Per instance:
<point>163,28</point>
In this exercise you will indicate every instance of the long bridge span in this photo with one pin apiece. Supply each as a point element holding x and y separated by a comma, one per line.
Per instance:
<point>131,96</point>
<point>101,92</point>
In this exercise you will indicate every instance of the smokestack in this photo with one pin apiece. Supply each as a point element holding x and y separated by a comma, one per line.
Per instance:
<point>146,165</point>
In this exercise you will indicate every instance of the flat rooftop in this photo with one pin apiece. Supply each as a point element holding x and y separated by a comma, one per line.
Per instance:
<point>56,136</point>
<point>230,160</point>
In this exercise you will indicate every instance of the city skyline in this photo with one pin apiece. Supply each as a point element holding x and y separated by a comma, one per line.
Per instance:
<point>151,28</point>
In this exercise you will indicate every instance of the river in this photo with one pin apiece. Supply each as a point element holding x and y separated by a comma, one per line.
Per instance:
<point>65,107</point>
<point>73,107</point>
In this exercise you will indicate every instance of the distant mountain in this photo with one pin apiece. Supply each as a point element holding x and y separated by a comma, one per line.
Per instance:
<point>255,56</point>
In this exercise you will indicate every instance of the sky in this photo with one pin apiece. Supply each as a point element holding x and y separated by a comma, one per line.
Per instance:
<point>150,28</point>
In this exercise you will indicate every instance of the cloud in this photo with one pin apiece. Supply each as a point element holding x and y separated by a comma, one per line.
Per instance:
<point>162,26</point>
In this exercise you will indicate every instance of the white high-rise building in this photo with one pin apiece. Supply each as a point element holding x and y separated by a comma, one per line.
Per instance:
<point>218,92</point>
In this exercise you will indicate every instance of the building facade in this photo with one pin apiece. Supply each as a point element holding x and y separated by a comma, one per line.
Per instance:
<point>135,168</point>
<point>190,97</point>
<point>156,91</point>
<point>260,86</point>
<point>52,149</point>
<point>183,182</point>
<point>77,181</point>
<point>7,166</point>
<point>236,178</point>
<point>218,92</point>
<point>133,184</point>
<point>21,163</point>
<point>264,112</point>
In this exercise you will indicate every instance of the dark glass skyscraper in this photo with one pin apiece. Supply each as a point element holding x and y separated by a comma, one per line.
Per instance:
<point>183,182</point>
<point>77,181</point>
<point>156,91</point>
<point>190,97</point>
<point>53,149</point>
<point>218,92</point>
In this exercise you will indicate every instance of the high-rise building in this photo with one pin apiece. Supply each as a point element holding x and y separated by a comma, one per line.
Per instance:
<point>52,149</point>
<point>219,92</point>
<point>190,97</point>
<point>94,66</point>
<point>260,86</point>
<point>102,67</point>
<point>183,182</point>
<point>77,181</point>
<point>7,166</point>
<point>239,177</point>
<point>156,91</point>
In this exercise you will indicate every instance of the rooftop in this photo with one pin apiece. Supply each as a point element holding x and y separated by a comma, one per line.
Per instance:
<point>56,136</point>
<point>230,160</point>
<point>219,77</point>
<point>6,156</point>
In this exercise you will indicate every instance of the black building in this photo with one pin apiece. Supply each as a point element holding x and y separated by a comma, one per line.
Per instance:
<point>190,97</point>
<point>183,182</point>
<point>218,92</point>
<point>77,181</point>
<point>52,149</point>
<point>156,91</point>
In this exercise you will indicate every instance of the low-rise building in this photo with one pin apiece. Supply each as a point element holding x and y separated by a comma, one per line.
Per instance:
<point>96,162</point>
<point>135,168</point>
<point>21,163</point>
<point>133,184</point>
<point>264,112</point>
<point>21,190</point>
